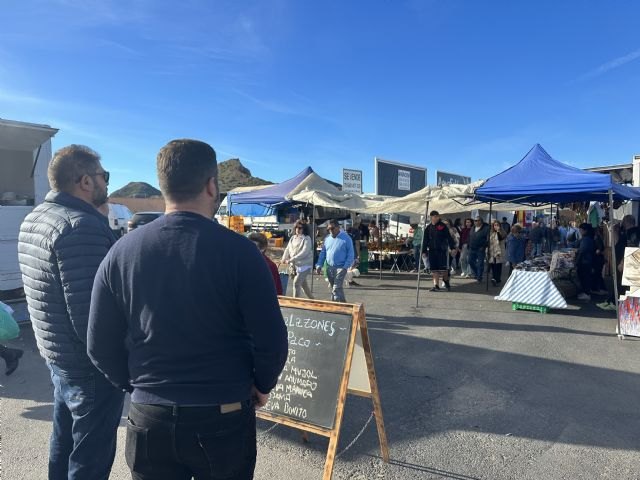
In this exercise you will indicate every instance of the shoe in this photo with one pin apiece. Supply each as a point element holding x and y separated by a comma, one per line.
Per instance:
<point>353,283</point>
<point>463,275</point>
<point>435,289</point>
<point>584,296</point>
<point>447,285</point>
<point>413,271</point>
<point>494,282</point>
<point>11,357</point>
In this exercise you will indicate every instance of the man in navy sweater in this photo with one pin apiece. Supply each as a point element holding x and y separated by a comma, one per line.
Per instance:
<point>184,315</point>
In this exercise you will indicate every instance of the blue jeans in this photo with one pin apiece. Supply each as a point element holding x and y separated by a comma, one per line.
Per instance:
<point>180,443</point>
<point>537,250</point>
<point>336,280</point>
<point>86,414</point>
<point>476,262</point>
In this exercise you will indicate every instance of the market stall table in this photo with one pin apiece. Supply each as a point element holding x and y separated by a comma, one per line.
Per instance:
<point>531,289</point>
<point>399,258</point>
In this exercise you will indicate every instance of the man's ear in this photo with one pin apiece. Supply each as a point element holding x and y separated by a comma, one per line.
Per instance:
<point>85,183</point>
<point>212,187</point>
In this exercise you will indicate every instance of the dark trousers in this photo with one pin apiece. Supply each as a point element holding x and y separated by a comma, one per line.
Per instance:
<point>585,276</point>
<point>496,272</point>
<point>86,414</point>
<point>178,443</point>
<point>476,261</point>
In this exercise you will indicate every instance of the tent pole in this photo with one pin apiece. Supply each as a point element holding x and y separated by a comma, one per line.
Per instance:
<point>379,246</point>
<point>313,241</point>
<point>489,243</point>
<point>614,262</point>
<point>426,214</point>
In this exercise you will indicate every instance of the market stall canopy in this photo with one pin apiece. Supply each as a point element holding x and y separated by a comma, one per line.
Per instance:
<point>273,194</point>
<point>449,199</point>
<point>316,191</point>
<point>539,178</point>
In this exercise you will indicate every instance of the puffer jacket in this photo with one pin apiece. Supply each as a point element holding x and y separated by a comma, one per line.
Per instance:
<point>60,246</point>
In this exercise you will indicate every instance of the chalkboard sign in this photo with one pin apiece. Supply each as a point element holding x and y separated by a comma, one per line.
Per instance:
<point>309,385</point>
<point>329,356</point>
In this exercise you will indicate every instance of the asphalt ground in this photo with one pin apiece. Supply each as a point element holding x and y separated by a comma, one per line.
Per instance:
<point>470,390</point>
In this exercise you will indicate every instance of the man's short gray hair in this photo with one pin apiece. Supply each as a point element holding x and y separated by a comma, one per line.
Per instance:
<point>68,166</point>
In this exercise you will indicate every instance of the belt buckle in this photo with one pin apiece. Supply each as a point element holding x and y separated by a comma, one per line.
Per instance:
<point>230,407</point>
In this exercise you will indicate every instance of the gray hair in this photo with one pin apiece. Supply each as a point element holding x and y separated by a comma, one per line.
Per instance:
<point>68,166</point>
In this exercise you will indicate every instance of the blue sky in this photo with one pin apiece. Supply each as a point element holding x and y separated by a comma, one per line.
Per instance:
<point>461,86</point>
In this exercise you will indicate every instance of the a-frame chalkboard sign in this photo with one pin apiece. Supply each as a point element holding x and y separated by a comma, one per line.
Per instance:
<point>329,356</point>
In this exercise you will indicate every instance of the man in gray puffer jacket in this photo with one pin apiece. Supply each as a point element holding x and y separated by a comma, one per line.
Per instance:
<point>61,244</point>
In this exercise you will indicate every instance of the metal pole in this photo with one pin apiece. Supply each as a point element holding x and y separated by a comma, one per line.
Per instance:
<point>379,246</point>
<point>313,240</point>
<point>614,266</point>
<point>489,243</point>
<point>426,215</point>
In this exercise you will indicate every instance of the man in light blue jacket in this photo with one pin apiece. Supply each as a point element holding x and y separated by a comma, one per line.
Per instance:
<point>337,250</point>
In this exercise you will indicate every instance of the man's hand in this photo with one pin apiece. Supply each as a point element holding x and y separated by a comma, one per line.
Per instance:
<point>318,270</point>
<point>258,398</point>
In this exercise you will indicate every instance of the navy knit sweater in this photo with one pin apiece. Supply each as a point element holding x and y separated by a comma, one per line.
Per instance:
<point>184,312</point>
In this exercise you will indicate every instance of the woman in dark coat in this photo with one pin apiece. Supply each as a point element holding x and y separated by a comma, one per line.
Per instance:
<point>438,241</point>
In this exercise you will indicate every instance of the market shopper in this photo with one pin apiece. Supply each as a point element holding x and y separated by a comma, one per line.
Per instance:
<point>337,251</point>
<point>438,243</point>
<point>299,256</point>
<point>418,232</point>
<point>453,254</point>
<point>184,315</point>
<point>11,357</point>
<point>598,286</point>
<point>536,237</point>
<point>464,248</point>
<point>584,260</point>
<point>262,243</point>
<point>61,244</point>
<point>478,241</point>
<point>516,244</point>
<point>506,226</point>
<point>496,251</point>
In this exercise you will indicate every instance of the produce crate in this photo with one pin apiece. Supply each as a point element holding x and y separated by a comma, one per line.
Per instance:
<point>526,306</point>
<point>276,242</point>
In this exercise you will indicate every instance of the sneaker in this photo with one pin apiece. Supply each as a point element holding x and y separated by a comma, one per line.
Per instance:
<point>494,282</point>
<point>463,275</point>
<point>447,285</point>
<point>435,289</point>
<point>584,296</point>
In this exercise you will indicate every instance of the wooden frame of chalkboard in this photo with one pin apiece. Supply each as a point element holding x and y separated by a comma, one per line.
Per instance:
<point>329,357</point>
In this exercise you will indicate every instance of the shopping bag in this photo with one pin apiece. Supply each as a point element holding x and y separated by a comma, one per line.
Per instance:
<point>8,327</point>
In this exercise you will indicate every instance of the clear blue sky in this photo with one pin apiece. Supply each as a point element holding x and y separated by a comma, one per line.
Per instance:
<point>462,86</point>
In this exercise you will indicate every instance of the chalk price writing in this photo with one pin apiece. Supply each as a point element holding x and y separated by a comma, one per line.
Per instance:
<point>327,326</point>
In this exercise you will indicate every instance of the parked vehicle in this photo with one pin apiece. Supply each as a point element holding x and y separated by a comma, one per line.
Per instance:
<point>119,216</point>
<point>142,218</point>
<point>25,153</point>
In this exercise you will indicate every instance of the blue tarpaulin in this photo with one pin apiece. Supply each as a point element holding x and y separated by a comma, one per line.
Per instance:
<point>539,178</point>
<point>272,195</point>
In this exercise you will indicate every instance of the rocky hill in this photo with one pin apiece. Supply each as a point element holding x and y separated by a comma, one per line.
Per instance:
<point>136,190</point>
<point>232,174</point>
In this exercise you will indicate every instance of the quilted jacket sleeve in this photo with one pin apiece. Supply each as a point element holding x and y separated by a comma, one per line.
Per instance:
<point>78,255</point>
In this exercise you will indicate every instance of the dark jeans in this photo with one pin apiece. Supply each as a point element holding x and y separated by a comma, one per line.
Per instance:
<point>585,275</point>
<point>86,415</point>
<point>476,261</point>
<point>496,272</point>
<point>177,443</point>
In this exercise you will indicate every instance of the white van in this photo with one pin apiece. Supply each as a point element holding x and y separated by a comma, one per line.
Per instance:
<point>119,216</point>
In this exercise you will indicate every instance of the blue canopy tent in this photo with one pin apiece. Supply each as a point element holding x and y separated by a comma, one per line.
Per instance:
<point>273,195</point>
<point>538,178</point>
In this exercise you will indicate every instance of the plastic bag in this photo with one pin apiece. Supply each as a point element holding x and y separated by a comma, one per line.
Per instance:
<point>8,326</point>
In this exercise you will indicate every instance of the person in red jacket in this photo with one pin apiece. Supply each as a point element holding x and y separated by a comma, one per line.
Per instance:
<point>261,242</point>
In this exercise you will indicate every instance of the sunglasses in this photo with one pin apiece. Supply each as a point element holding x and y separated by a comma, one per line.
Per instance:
<point>104,174</point>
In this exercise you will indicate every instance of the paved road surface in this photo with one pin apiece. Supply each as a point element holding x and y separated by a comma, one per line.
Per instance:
<point>470,390</point>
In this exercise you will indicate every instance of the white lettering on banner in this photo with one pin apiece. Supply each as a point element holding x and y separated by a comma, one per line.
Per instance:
<point>404,180</point>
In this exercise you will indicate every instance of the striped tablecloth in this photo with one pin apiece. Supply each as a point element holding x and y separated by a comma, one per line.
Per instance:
<point>533,288</point>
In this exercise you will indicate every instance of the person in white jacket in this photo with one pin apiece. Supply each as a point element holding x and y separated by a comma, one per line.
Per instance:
<point>299,256</point>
